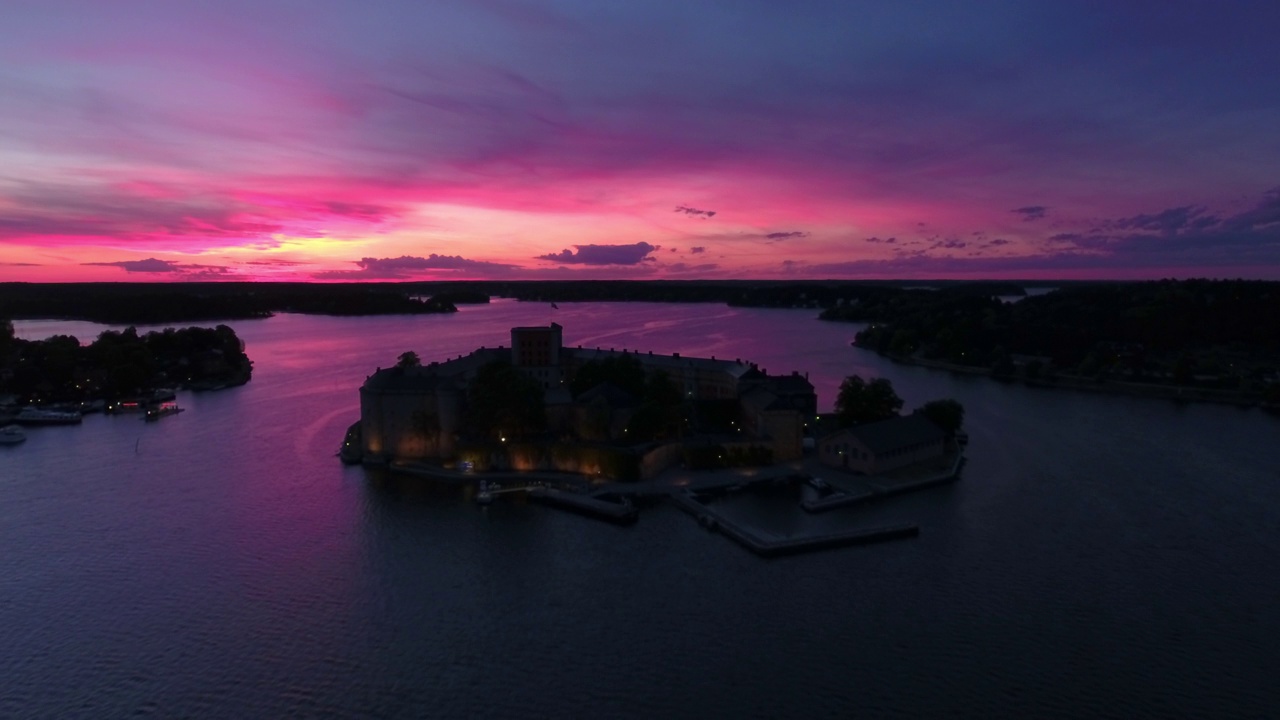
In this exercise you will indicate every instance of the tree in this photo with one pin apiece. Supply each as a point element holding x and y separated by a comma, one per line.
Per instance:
<point>408,359</point>
<point>503,402</point>
<point>862,402</point>
<point>624,371</point>
<point>661,410</point>
<point>947,414</point>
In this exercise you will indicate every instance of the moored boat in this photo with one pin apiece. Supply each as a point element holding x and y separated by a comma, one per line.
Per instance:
<point>32,415</point>
<point>161,410</point>
<point>11,435</point>
<point>130,405</point>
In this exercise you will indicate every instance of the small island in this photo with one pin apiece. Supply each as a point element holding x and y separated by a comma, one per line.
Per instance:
<point>592,429</point>
<point>55,380</point>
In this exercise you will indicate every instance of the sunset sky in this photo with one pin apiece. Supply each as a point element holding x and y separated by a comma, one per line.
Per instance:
<point>451,139</point>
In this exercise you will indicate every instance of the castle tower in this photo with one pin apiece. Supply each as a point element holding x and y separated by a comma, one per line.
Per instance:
<point>536,351</point>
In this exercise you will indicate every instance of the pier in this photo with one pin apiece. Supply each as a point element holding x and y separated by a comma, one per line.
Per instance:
<point>623,513</point>
<point>852,491</point>
<point>775,547</point>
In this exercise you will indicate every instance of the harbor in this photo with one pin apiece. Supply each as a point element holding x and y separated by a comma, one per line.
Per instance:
<point>823,489</point>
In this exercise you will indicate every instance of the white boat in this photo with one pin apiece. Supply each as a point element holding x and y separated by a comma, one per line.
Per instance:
<point>11,435</point>
<point>32,415</point>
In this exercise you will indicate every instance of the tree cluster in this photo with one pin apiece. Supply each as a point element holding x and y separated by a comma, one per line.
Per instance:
<point>120,364</point>
<point>860,402</point>
<point>1211,332</point>
<point>185,302</point>
<point>503,402</point>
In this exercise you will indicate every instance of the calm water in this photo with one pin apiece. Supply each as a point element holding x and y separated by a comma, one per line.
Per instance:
<point>1103,557</point>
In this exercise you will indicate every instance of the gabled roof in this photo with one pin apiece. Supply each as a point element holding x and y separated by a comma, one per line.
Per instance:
<point>895,433</point>
<point>759,399</point>
<point>794,384</point>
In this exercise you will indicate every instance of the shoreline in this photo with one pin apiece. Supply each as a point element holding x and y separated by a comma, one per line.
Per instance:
<point>1105,387</point>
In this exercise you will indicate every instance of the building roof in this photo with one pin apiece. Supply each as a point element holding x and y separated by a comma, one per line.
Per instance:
<point>895,433</point>
<point>793,384</point>
<point>403,380</point>
<point>659,361</point>
<point>759,399</point>
<point>436,375</point>
<point>611,394</point>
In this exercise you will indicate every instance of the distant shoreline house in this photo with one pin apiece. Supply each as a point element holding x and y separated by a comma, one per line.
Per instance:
<point>415,412</point>
<point>882,446</point>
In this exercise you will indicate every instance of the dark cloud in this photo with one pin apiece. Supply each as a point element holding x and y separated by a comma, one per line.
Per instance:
<point>887,241</point>
<point>1184,236</point>
<point>694,212</point>
<point>359,211</point>
<point>407,266</point>
<point>19,264</point>
<point>189,271</point>
<point>84,212</point>
<point>1169,221</point>
<point>633,254</point>
<point>949,244</point>
<point>79,213</point>
<point>150,265</point>
<point>697,250</point>
<point>1031,212</point>
<point>996,242</point>
<point>786,235</point>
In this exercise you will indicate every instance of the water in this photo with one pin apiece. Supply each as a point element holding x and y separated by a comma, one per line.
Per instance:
<point>1103,557</point>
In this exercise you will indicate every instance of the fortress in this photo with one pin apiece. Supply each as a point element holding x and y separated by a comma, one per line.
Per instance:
<point>415,412</point>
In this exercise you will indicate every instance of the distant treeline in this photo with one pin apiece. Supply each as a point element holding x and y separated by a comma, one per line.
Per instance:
<point>1217,333</point>
<point>149,303</point>
<point>743,293</point>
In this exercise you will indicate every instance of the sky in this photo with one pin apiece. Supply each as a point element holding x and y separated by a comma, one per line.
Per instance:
<point>388,140</point>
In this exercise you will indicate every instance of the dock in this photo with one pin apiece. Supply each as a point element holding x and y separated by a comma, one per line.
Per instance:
<point>865,489</point>
<point>716,522</point>
<point>620,513</point>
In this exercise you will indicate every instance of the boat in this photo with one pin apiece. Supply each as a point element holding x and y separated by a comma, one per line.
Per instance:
<point>32,415</point>
<point>11,435</point>
<point>161,410</point>
<point>126,406</point>
<point>92,406</point>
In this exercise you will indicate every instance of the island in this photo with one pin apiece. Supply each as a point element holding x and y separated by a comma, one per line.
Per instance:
<point>54,381</point>
<point>615,412</point>
<point>590,429</point>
